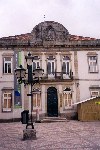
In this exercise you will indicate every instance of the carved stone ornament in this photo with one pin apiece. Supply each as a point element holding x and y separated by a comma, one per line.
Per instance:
<point>49,31</point>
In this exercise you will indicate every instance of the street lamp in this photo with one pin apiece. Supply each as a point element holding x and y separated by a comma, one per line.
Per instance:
<point>33,77</point>
<point>20,73</point>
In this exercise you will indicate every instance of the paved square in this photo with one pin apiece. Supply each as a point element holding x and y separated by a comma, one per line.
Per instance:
<point>72,135</point>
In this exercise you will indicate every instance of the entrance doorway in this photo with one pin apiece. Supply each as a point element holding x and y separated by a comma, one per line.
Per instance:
<point>52,102</point>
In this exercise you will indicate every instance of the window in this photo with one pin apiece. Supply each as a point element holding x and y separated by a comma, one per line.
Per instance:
<point>92,64</point>
<point>36,62</point>
<point>94,90</point>
<point>67,98</point>
<point>7,101</point>
<point>7,65</point>
<point>94,93</point>
<point>51,66</point>
<point>66,67</point>
<point>36,100</point>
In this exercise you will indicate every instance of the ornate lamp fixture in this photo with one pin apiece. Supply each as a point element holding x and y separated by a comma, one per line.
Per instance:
<point>33,77</point>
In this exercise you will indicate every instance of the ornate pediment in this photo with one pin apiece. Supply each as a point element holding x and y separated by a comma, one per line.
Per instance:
<point>49,32</point>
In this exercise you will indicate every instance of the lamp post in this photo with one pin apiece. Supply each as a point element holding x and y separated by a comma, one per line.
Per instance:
<point>33,77</point>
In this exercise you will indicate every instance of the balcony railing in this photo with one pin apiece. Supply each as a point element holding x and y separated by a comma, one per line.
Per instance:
<point>58,76</point>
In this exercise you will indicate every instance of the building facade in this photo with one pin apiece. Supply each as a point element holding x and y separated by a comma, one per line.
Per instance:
<point>71,71</point>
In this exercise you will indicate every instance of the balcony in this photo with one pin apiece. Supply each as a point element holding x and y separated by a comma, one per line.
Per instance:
<point>58,76</point>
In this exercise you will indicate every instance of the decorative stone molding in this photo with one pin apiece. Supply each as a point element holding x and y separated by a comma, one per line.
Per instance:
<point>7,54</point>
<point>50,53</point>
<point>92,54</point>
<point>49,33</point>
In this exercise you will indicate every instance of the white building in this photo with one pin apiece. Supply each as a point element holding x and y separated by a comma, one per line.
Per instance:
<point>71,71</point>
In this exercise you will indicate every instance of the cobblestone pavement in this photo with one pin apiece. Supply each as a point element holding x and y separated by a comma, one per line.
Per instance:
<point>72,135</point>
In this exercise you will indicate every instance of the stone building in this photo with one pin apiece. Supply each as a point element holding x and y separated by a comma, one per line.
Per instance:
<point>71,71</point>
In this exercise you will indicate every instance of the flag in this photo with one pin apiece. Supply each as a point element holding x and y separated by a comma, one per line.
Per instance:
<point>17,93</point>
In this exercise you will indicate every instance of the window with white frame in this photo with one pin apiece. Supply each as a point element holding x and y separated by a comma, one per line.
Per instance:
<point>66,65</point>
<point>51,65</point>
<point>94,93</point>
<point>7,101</point>
<point>36,100</point>
<point>7,65</point>
<point>93,64</point>
<point>67,94</point>
<point>36,62</point>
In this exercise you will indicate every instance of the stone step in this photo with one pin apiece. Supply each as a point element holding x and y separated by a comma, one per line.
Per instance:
<point>53,119</point>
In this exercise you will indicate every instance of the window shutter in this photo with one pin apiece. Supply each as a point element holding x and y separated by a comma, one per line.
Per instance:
<point>9,67</point>
<point>89,63</point>
<point>34,65</point>
<point>38,65</point>
<point>49,68</point>
<point>64,67</point>
<point>52,67</point>
<point>67,67</point>
<point>3,65</point>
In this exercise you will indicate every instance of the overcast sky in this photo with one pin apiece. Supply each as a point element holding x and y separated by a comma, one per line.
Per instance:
<point>79,17</point>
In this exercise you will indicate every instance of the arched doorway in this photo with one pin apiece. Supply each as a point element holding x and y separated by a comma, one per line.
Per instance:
<point>52,102</point>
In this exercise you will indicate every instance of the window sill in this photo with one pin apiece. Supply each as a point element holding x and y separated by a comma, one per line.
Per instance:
<point>94,72</point>
<point>6,110</point>
<point>36,108</point>
<point>7,73</point>
<point>68,108</point>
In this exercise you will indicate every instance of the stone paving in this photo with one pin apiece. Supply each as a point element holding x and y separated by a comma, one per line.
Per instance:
<point>72,135</point>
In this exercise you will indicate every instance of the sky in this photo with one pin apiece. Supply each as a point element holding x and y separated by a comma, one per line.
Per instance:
<point>79,17</point>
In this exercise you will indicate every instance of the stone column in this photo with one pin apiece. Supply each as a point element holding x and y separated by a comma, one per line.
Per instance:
<point>76,76</point>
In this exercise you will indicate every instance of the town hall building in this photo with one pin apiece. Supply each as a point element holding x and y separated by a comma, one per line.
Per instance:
<point>71,67</point>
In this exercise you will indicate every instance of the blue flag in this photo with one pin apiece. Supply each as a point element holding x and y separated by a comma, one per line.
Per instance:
<point>17,93</point>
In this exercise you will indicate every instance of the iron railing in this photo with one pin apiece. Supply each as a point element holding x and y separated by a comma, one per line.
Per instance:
<point>58,76</point>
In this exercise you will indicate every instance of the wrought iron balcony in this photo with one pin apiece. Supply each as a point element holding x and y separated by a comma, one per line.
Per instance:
<point>58,76</point>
